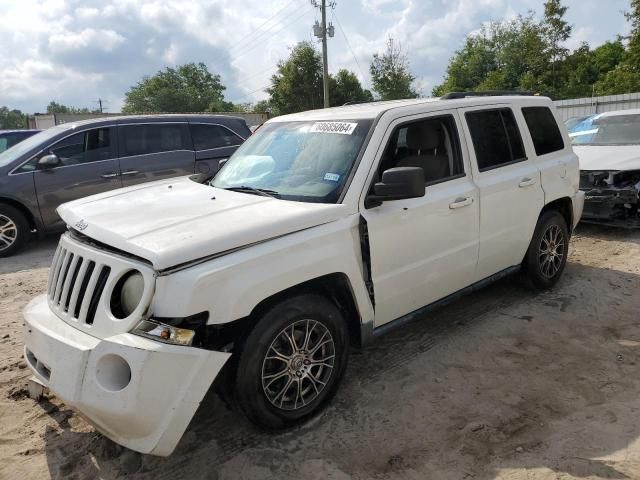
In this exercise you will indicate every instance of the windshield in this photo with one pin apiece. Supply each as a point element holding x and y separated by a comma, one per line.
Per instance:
<point>304,161</point>
<point>15,152</point>
<point>607,130</point>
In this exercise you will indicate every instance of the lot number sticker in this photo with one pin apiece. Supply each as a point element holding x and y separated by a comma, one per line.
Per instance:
<point>343,128</point>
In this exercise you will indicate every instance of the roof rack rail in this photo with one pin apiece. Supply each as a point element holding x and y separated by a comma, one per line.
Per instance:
<point>488,93</point>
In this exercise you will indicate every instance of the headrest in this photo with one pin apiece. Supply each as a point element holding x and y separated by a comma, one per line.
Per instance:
<point>423,136</point>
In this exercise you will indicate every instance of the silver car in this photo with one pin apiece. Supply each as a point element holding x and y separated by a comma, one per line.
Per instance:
<point>75,160</point>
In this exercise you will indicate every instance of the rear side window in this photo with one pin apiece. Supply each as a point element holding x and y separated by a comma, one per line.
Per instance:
<point>153,138</point>
<point>206,136</point>
<point>496,138</point>
<point>544,130</point>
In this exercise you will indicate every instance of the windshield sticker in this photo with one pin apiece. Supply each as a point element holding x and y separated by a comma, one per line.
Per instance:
<point>332,177</point>
<point>343,128</point>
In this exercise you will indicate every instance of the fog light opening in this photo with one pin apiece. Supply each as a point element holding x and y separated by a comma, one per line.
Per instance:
<point>113,373</point>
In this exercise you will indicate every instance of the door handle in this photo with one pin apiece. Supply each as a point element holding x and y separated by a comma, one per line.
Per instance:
<point>527,182</point>
<point>110,175</point>
<point>461,202</point>
<point>130,172</point>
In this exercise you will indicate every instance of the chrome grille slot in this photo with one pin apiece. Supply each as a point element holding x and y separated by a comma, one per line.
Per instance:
<point>80,280</point>
<point>97,294</point>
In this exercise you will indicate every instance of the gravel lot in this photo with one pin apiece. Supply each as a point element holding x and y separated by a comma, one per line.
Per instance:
<point>506,383</point>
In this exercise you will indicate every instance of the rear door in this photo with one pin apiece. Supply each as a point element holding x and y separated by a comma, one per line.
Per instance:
<point>511,195</point>
<point>88,165</point>
<point>153,151</point>
<point>213,144</point>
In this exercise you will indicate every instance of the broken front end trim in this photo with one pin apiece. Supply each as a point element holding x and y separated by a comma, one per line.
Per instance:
<point>140,393</point>
<point>611,198</point>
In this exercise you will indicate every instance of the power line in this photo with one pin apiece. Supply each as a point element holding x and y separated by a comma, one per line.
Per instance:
<point>364,79</point>
<point>251,35</point>
<point>260,35</point>
<point>250,93</point>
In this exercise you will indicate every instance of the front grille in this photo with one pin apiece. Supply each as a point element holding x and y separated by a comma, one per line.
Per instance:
<point>76,284</point>
<point>82,280</point>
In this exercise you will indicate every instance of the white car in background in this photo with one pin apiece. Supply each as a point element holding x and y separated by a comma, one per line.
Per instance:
<point>608,146</point>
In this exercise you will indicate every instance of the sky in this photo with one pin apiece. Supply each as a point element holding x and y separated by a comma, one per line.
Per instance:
<point>75,52</point>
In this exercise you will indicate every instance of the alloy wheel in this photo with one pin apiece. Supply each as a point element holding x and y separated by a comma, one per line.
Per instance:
<point>551,251</point>
<point>8,232</point>
<point>298,364</point>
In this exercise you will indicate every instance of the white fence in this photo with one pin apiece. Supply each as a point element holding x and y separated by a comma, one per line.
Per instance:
<point>49,120</point>
<point>580,107</point>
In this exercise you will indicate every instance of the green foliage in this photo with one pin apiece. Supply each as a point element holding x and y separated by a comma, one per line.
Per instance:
<point>529,54</point>
<point>186,88</point>
<point>11,119</point>
<point>502,56</point>
<point>345,87</point>
<point>390,73</point>
<point>55,107</point>
<point>297,85</point>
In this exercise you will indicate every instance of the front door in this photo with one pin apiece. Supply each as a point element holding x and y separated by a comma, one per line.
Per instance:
<point>423,249</point>
<point>154,151</point>
<point>213,144</point>
<point>88,165</point>
<point>511,195</point>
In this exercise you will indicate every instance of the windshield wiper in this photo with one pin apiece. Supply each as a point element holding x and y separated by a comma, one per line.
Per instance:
<point>257,191</point>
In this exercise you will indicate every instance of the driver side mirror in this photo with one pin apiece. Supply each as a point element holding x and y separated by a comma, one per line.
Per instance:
<point>397,184</point>
<point>49,161</point>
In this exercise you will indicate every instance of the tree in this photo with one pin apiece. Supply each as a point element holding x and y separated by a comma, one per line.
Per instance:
<point>501,56</point>
<point>186,88</point>
<point>55,107</point>
<point>10,119</point>
<point>345,87</point>
<point>297,85</point>
<point>556,31</point>
<point>390,73</point>
<point>625,77</point>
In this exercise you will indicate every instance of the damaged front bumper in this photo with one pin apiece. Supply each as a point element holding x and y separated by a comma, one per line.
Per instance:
<point>611,198</point>
<point>138,392</point>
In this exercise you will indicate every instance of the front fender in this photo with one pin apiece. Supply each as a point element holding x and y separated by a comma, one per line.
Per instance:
<point>230,287</point>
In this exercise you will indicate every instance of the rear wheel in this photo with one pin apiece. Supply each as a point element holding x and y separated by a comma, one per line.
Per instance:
<point>14,230</point>
<point>292,362</point>
<point>547,255</point>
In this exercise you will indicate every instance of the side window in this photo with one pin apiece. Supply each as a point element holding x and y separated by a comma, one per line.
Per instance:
<point>431,144</point>
<point>212,136</point>
<point>496,138</point>
<point>85,147</point>
<point>153,138</point>
<point>544,130</point>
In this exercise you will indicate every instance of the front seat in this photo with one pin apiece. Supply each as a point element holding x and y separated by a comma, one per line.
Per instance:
<point>426,139</point>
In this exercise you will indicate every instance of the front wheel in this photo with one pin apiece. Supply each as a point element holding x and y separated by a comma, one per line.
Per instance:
<point>547,255</point>
<point>14,230</point>
<point>292,361</point>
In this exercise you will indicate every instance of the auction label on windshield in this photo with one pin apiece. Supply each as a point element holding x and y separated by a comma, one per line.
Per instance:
<point>343,128</point>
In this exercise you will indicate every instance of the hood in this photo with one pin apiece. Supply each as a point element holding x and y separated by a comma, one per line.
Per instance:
<point>176,221</point>
<point>609,157</point>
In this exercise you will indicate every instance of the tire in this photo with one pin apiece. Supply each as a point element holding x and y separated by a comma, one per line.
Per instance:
<point>546,257</point>
<point>261,382</point>
<point>14,230</point>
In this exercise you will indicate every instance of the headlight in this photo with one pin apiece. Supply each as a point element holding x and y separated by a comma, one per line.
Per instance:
<point>164,333</point>
<point>127,294</point>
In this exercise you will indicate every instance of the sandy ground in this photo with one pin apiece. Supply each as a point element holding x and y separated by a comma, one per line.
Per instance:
<point>506,383</point>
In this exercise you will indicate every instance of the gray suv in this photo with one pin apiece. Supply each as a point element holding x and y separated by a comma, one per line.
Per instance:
<point>75,160</point>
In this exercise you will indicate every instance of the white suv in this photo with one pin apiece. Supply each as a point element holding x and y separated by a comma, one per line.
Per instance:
<point>324,230</point>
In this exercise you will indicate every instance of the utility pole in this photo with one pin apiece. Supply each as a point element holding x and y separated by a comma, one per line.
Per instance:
<point>100,103</point>
<point>321,31</point>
